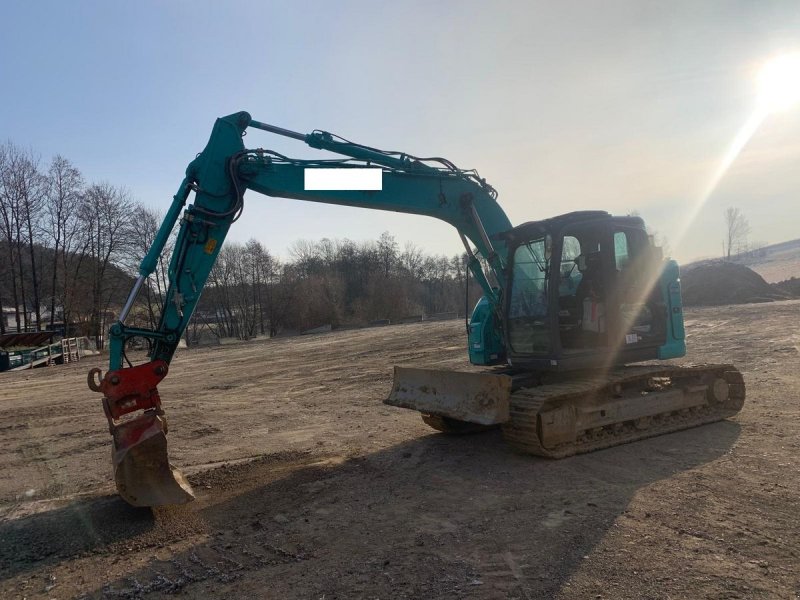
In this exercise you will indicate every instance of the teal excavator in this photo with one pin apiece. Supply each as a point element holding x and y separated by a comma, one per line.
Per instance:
<point>568,304</point>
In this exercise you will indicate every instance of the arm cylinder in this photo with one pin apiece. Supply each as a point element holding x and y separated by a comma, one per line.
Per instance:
<point>150,260</point>
<point>131,298</point>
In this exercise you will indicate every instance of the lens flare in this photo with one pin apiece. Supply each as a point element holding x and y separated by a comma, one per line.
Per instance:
<point>778,90</point>
<point>779,82</point>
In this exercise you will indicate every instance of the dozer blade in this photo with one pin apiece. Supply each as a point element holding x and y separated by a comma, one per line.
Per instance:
<point>472,397</point>
<point>142,471</point>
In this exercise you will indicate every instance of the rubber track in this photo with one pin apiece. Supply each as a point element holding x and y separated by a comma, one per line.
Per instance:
<point>522,431</point>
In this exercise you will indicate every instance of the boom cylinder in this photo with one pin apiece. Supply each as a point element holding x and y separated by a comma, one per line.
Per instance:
<point>278,130</point>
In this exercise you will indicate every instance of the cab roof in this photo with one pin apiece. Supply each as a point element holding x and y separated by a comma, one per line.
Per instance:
<point>533,229</point>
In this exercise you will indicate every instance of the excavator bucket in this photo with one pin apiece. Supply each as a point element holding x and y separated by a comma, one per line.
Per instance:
<point>481,398</point>
<point>142,471</point>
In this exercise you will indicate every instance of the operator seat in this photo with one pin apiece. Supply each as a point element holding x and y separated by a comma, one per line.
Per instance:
<point>591,283</point>
<point>591,298</point>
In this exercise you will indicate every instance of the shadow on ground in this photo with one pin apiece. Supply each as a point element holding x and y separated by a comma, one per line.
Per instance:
<point>82,526</point>
<point>433,517</point>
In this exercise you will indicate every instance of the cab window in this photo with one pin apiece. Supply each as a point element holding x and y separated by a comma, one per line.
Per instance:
<point>528,303</point>
<point>570,276</point>
<point>621,250</point>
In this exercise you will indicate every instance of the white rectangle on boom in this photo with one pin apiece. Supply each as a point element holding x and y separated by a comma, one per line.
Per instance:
<point>367,179</point>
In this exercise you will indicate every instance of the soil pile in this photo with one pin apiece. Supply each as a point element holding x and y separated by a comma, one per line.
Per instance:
<point>714,284</point>
<point>790,286</point>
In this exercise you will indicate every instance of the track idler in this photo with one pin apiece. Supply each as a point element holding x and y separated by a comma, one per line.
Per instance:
<point>142,471</point>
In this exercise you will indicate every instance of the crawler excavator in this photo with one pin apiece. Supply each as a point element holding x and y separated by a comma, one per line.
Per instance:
<point>568,304</point>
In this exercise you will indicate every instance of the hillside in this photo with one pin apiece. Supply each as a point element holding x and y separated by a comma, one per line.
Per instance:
<point>74,288</point>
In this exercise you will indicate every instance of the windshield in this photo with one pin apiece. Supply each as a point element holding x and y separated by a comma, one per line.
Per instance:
<point>528,330</point>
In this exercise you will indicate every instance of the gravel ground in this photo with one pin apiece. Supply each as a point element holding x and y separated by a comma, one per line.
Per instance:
<point>309,487</point>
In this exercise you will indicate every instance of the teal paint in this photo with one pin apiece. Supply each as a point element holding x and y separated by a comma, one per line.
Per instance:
<point>485,341</point>
<point>670,285</point>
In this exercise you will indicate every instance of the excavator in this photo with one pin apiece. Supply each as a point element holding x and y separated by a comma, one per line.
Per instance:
<point>569,305</point>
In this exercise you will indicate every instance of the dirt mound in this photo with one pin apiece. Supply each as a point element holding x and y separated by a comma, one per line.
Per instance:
<point>790,286</point>
<point>726,283</point>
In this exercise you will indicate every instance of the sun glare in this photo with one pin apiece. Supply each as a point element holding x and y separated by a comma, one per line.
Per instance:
<point>779,82</point>
<point>778,89</point>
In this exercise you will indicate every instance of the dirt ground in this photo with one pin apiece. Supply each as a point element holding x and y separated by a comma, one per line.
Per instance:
<point>309,487</point>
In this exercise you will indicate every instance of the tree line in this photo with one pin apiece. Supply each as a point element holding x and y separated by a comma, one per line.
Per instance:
<point>72,248</point>
<point>64,242</point>
<point>328,282</point>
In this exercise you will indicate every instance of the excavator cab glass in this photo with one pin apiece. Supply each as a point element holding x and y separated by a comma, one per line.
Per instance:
<point>581,292</point>
<point>528,308</point>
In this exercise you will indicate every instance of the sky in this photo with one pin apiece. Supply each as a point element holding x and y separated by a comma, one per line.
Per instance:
<point>619,106</point>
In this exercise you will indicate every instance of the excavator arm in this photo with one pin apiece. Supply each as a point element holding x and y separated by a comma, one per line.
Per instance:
<point>219,177</point>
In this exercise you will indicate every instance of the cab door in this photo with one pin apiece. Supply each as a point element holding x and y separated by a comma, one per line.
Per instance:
<point>636,309</point>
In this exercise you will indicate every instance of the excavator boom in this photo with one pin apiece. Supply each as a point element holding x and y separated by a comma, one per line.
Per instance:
<point>219,177</point>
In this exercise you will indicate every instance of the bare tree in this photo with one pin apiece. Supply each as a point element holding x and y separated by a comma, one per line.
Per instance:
<point>12,227</point>
<point>65,187</point>
<point>306,257</point>
<point>280,297</point>
<point>244,302</point>
<point>219,296</point>
<point>22,190</point>
<point>7,230</point>
<point>737,229</point>
<point>387,252</point>
<point>262,266</point>
<point>107,212</point>
<point>411,259</point>
<point>27,187</point>
<point>243,295</point>
<point>73,266</point>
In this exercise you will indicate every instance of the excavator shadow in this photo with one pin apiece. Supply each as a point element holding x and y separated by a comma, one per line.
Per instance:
<point>49,537</point>
<point>431,517</point>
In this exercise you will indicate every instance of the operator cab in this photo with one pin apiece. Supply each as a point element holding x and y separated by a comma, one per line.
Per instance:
<point>584,291</point>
